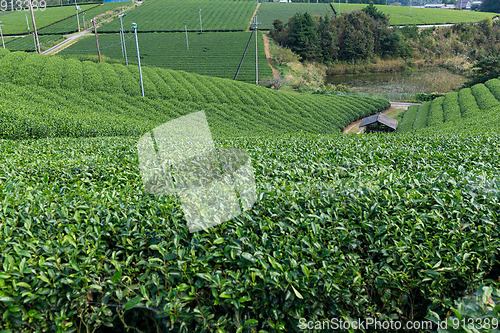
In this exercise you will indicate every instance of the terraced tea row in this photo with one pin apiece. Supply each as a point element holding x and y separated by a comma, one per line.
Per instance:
<point>36,112</point>
<point>466,103</point>
<point>242,102</point>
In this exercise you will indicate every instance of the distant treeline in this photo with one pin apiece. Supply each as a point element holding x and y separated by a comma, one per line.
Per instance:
<point>353,35</point>
<point>364,34</point>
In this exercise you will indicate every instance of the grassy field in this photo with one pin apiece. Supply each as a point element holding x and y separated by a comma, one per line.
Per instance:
<point>398,15</point>
<point>15,22</point>
<point>269,11</point>
<point>211,53</point>
<point>70,25</point>
<point>170,15</point>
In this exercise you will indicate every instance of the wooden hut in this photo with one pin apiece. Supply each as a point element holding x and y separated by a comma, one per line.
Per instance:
<point>378,123</point>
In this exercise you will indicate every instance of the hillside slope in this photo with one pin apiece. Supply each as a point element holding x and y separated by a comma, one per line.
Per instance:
<point>454,107</point>
<point>52,97</point>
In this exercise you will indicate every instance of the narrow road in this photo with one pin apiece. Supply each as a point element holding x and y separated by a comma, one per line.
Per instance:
<point>68,41</point>
<point>73,37</point>
<point>428,25</point>
<point>251,20</point>
<point>276,74</point>
<point>405,105</point>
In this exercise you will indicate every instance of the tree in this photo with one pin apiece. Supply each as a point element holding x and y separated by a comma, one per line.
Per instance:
<point>356,37</point>
<point>278,25</point>
<point>303,38</point>
<point>327,39</point>
<point>377,15</point>
<point>484,70</point>
<point>492,6</point>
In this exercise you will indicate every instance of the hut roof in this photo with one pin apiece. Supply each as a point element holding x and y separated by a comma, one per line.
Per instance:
<point>381,118</point>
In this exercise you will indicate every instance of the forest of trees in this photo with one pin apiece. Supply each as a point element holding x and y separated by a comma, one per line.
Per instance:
<point>365,34</point>
<point>492,6</point>
<point>353,35</point>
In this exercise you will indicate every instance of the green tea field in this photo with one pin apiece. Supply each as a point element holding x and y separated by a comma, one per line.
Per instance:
<point>269,11</point>
<point>398,15</point>
<point>397,226</point>
<point>15,22</point>
<point>55,86</point>
<point>70,24</point>
<point>170,16</point>
<point>344,224</point>
<point>27,43</point>
<point>213,54</point>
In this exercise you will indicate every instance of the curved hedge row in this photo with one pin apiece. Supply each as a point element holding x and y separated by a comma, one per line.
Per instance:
<point>494,86</point>
<point>466,103</point>
<point>484,98</point>
<point>227,102</point>
<point>406,123</point>
<point>436,116</point>
<point>421,116</point>
<point>451,108</point>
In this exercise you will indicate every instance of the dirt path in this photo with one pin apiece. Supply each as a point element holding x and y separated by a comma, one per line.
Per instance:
<point>276,74</point>
<point>352,128</point>
<point>251,20</point>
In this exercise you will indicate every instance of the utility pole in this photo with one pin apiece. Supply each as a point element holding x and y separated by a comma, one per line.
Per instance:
<point>135,26</point>
<point>256,58</point>
<point>201,28</point>
<point>96,40</point>
<point>122,38</point>
<point>28,24</point>
<point>34,27</point>
<point>1,34</point>
<point>187,43</point>
<point>83,14</point>
<point>77,8</point>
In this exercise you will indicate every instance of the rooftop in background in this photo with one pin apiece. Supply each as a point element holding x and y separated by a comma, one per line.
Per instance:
<point>463,4</point>
<point>381,119</point>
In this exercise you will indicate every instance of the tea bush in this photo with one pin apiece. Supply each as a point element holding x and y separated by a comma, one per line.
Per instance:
<point>421,116</point>
<point>406,123</point>
<point>345,226</point>
<point>467,102</point>
<point>436,116</point>
<point>484,98</point>
<point>451,108</point>
<point>494,86</point>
